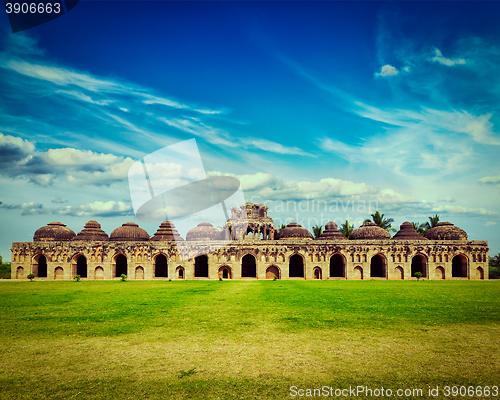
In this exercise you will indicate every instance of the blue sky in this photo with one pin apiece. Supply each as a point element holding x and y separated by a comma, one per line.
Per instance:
<point>390,106</point>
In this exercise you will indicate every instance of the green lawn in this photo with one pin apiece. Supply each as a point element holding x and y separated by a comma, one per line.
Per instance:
<point>244,339</point>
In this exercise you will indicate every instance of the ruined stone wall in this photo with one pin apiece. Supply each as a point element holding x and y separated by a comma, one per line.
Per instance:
<point>395,256</point>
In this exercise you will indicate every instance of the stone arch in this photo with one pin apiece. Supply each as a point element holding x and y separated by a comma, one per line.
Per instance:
<point>180,273</point>
<point>40,265</point>
<point>378,266</point>
<point>459,266</point>
<point>161,266</point>
<point>446,258</point>
<point>79,262</point>
<point>357,273</point>
<point>317,273</point>
<point>19,273</point>
<point>419,264</point>
<point>281,257</point>
<point>358,258</point>
<point>225,272</point>
<point>439,273</point>
<point>120,265</point>
<point>364,257</point>
<point>273,271</point>
<point>399,257</point>
<point>248,266</point>
<point>139,273</point>
<point>474,257</point>
<point>201,266</point>
<point>337,266</point>
<point>479,273</point>
<point>440,258</point>
<point>399,273</point>
<point>59,273</point>
<point>296,266</point>
<point>99,273</point>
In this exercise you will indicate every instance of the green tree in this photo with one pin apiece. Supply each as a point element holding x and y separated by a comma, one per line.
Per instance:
<point>282,226</point>
<point>384,223</point>
<point>494,263</point>
<point>433,221</point>
<point>31,277</point>
<point>317,231</point>
<point>346,228</point>
<point>420,228</point>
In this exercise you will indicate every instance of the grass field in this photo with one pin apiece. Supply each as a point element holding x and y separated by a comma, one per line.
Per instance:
<point>244,339</point>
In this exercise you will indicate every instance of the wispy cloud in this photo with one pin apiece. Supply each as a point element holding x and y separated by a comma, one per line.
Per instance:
<point>387,70</point>
<point>439,58</point>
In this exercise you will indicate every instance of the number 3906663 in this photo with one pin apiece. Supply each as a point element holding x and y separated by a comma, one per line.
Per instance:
<point>33,8</point>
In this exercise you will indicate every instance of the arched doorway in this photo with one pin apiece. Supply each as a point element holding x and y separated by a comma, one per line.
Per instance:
<point>377,267</point>
<point>121,266</point>
<point>81,266</point>
<point>399,273</point>
<point>479,273</point>
<point>180,272</point>
<point>357,273</point>
<point>42,266</point>
<point>272,272</point>
<point>337,266</point>
<point>248,266</point>
<point>459,266</point>
<point>296,266</point>
<point>139,273</point>
<point>317,273</point>
<point>161,270</point>
<point>58,273</point>
<point>99,273</point>
<point>225,272</point>
<point>19,273</point>
<point>418,264</point>
<point>201,267</point>
<point>439,273</point>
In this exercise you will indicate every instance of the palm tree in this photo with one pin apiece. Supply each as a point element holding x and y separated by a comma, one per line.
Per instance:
<point>346,229</point>
<point>317,231</point>
<point>384,223</point>
<point>420,228</point>
<point>282,226</point>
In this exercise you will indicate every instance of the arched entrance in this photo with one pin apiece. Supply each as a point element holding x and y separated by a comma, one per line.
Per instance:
<point>419,264</point>
<point>58,273</point>
<point>179,272</point>
<point>161,270</point>
<point>139,273</point>
<point>99,273</point>
<point>81,266</point>
<point>337,266</point>
<point>317,273</point>
<point>41,266</point>
<point>399,273</point>
<point>225,272</point>
<point>439,273</point>
<point>459,266</point>
<point>19,273</point>
<point>248,266</point>
<point>201,267</point>
<point>121,266</point>
<point>272,272</point>
<point>377,267</point>
<point>296,266</point>
<point>479,273</point>
<point>357,273</point>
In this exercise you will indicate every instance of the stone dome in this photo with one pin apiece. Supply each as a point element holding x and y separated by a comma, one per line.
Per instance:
<point>55,231</point>
<point>295,231</point>
<point>331,232</point>
<point>167,232</point>
<point>92,231</point>
<point>446,231</point>
<point>204,231</point>
<point>369,231</point>
<point>408,232</point>
<point>129,231</point>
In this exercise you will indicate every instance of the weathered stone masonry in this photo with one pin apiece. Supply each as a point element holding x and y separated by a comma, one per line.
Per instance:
<point>261,253</point>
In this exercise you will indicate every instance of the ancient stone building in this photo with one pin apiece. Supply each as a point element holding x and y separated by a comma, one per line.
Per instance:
<point>260,252</point>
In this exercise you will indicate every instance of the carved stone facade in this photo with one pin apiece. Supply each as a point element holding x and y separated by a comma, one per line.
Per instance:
<point>262,253</point>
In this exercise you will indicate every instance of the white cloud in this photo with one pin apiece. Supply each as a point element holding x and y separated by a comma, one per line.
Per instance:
<point>490,179</point>
<point>387,70</point>
<point>462,210</point>
<point>447,199</point>
<point>490,223</point>
<point>446,61</point>
<point>97,209</point>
